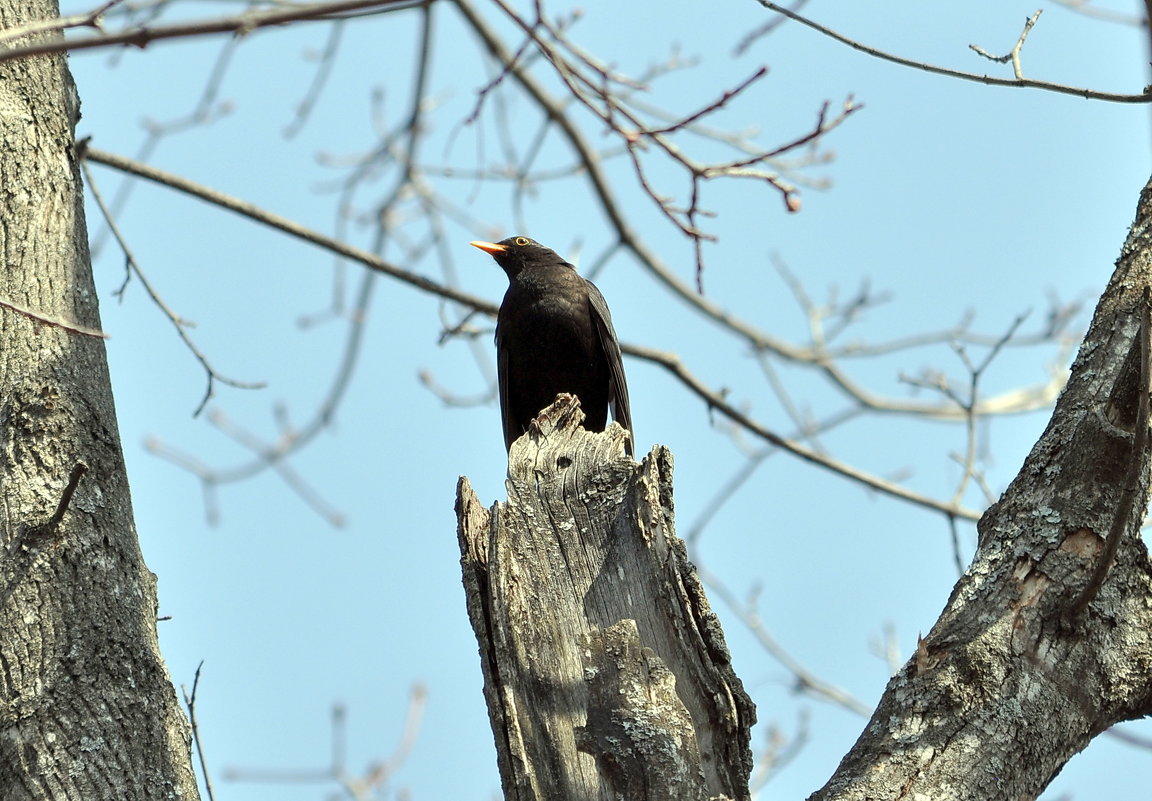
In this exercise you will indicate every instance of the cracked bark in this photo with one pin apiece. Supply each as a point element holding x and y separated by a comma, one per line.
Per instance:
<point>1012,681</point>
<point>87,710</point>
<point>605,672</point>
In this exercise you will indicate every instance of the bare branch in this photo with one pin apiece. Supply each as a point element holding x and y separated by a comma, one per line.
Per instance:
<point>758,340</point>
<point>806,681</point>
<point>669,361</point>
<point>1025,83</point>
<point>606,94</point>
<point>179,323</point>
<point>253,212</point>
<point>274,455</point>
<point>970,402</point>
<point>190,703</point>
<point>327,60</point>
<point>89,19</point>
<point>716,400</point>
<point>749,39</point>
<point>58,322</point>
<point>240,25</point>
<point>206,111</point>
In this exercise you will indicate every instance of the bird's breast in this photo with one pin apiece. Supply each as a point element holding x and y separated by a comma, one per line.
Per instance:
<point>547,305</point>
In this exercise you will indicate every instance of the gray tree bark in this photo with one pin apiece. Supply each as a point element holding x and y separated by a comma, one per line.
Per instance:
<point>87,710</point>
<point>605,672</point>
<point>1032,657</point>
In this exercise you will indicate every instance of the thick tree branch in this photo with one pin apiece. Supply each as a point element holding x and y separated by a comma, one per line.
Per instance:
<point>1005,688</point>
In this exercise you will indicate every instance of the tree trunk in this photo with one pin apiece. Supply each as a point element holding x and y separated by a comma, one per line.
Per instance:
<point>605,672</point>
<point>1031,657</point>
<point>87,710</point>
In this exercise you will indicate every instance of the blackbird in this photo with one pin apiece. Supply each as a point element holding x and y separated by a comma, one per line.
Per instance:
<point>554,334</point>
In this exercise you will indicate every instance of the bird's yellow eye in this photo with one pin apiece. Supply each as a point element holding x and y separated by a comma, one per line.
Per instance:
<point>522,241</point>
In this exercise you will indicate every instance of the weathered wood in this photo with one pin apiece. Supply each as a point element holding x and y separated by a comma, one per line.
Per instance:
<point>1023,668</point>
<point>605,672</point>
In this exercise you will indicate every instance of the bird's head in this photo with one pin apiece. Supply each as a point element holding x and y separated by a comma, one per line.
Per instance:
<point>517,252</point>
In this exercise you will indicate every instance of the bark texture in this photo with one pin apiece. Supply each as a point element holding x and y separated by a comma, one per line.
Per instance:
<point>605,672</point>
<point>87,710</point>
<point>1016,676</point>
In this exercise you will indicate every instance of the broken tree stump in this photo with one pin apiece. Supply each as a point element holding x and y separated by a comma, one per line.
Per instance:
<point>605,672</point>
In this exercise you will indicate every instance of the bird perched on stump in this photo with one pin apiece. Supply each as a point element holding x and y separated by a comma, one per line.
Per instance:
<point>554,334</point>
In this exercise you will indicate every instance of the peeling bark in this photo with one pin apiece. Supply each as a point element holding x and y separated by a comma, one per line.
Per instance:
<point>605,672</point>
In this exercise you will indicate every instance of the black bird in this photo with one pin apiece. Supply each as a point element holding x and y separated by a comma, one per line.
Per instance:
<point>554,334</point>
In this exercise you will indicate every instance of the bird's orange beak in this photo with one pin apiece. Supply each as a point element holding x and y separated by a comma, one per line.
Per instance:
<point>490,248</point>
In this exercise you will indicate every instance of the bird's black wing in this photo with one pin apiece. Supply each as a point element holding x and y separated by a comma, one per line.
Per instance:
<point>618,385</point>
<point>512,430</point>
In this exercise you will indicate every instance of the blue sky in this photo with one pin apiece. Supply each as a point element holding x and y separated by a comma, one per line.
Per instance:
<point>949,197</point>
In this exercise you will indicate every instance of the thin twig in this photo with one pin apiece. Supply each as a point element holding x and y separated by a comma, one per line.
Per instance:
<point>274,455</point>
<point>374,778</point>
<point>593,168</point>
<point>765,29</point>
<point>190,702</point>
<point>1129,738</point>
<point>1012,55</point>
<point>806,681</point>
<point>752,463</point>
<point>970,404</point>
<point>205,112</point>
<point>319,80</point>
<point>50,525</point>
<point>715,105</point>
<point>778,753</point>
